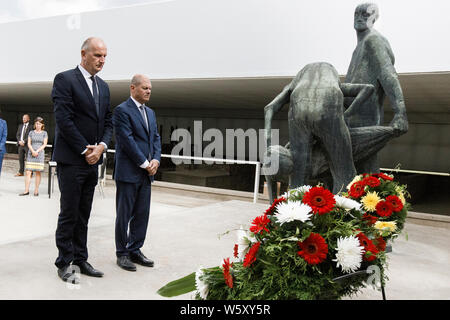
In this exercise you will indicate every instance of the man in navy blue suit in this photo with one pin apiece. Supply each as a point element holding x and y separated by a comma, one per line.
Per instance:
<point>82,132</point>
<point>138,154</point>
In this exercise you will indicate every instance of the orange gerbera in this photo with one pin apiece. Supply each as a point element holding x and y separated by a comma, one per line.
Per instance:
<point>314,249</point>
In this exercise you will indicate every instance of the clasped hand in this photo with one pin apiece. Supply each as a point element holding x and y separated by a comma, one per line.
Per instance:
<point>152,167</point>
<point>93,153</point>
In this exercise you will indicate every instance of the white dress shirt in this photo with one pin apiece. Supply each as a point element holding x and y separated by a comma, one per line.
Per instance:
<point>146,163</point>
<point>24,128</point>
<point>87,76</point>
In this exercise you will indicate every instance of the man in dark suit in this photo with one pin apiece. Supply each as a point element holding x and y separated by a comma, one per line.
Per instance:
<point>138,154</point>
<point>82,132</point>
<point>22,142</point>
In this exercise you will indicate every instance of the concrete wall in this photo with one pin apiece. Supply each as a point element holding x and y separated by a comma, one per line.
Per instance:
<point>217,38</point>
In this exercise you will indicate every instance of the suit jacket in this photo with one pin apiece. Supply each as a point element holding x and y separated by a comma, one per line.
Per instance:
<point>77,122</point>
<point>3,135</point>
<point>134,144</point>
<point>25,134</point>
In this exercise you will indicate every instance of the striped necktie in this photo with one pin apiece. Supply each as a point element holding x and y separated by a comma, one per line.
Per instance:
<point>141,108</point>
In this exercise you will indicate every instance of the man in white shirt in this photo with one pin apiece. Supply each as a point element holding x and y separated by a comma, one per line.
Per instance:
<point>83,130</point>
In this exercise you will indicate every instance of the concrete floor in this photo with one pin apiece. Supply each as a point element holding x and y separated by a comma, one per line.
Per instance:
<point>185,231</point>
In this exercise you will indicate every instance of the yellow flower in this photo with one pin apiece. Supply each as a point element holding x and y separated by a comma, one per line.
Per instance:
<point>370,201</point>
<point>401,195</point>
<point>391,226</point>
<point>402,198</point>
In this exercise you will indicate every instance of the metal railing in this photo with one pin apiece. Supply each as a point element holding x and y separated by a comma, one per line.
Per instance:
<point>257,164</point>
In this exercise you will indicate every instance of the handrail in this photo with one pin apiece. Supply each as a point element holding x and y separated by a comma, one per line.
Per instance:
<point>258,166</point>
<point>232,161</point>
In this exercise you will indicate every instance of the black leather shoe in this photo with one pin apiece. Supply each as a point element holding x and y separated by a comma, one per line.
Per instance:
<point>67,274</point>
<point>139,258</point>
<point>125,263</point>
<point>87,269</point>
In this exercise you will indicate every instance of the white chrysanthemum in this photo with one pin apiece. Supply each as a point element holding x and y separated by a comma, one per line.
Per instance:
<point>303,189</point>
<point>296,191</point>
<point>349,254</point>
<point>346,203</point>
<point>200,285</point>
<point>355,179</point>
<point>294,210</point>
<point>244,241</point>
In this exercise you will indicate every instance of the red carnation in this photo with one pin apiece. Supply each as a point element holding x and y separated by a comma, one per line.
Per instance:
<point>226,272</point>
<point>260,224</point>
<point>314,249</point>
<point>357,189</point>
<point>381,244</point>
<point>385,177</point>
<point>368,247</point>
<point>384,209</point>
<point>395,202</point>
<point>320,200</point>
<point>235,251</point>
<point>274,204</point>
<point>371,182</point>
<point>250,257</point>
<point>369,219</point>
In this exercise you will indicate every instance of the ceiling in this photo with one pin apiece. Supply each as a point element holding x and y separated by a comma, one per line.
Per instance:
<point>424,92</point>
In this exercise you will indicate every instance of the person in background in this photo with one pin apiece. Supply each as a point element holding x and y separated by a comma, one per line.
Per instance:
<point>22,137</point>
<point>3,134</point>
<point>37,141</point>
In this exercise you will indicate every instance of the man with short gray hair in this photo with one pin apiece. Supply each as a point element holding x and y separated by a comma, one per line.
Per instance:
<point>83,130</point>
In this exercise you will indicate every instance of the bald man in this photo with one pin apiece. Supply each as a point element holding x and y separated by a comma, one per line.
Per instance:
<point>83,130</point>
<point>138,154</point>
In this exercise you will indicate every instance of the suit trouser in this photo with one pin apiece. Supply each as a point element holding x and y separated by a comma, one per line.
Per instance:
<point>77,186</point>
<point>132,213</point>
<point>22,156</point>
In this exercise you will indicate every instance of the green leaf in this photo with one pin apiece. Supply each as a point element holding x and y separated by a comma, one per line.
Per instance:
<point>178,287</point>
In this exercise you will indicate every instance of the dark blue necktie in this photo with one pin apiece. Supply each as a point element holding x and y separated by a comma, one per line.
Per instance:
<point>95,94</point>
